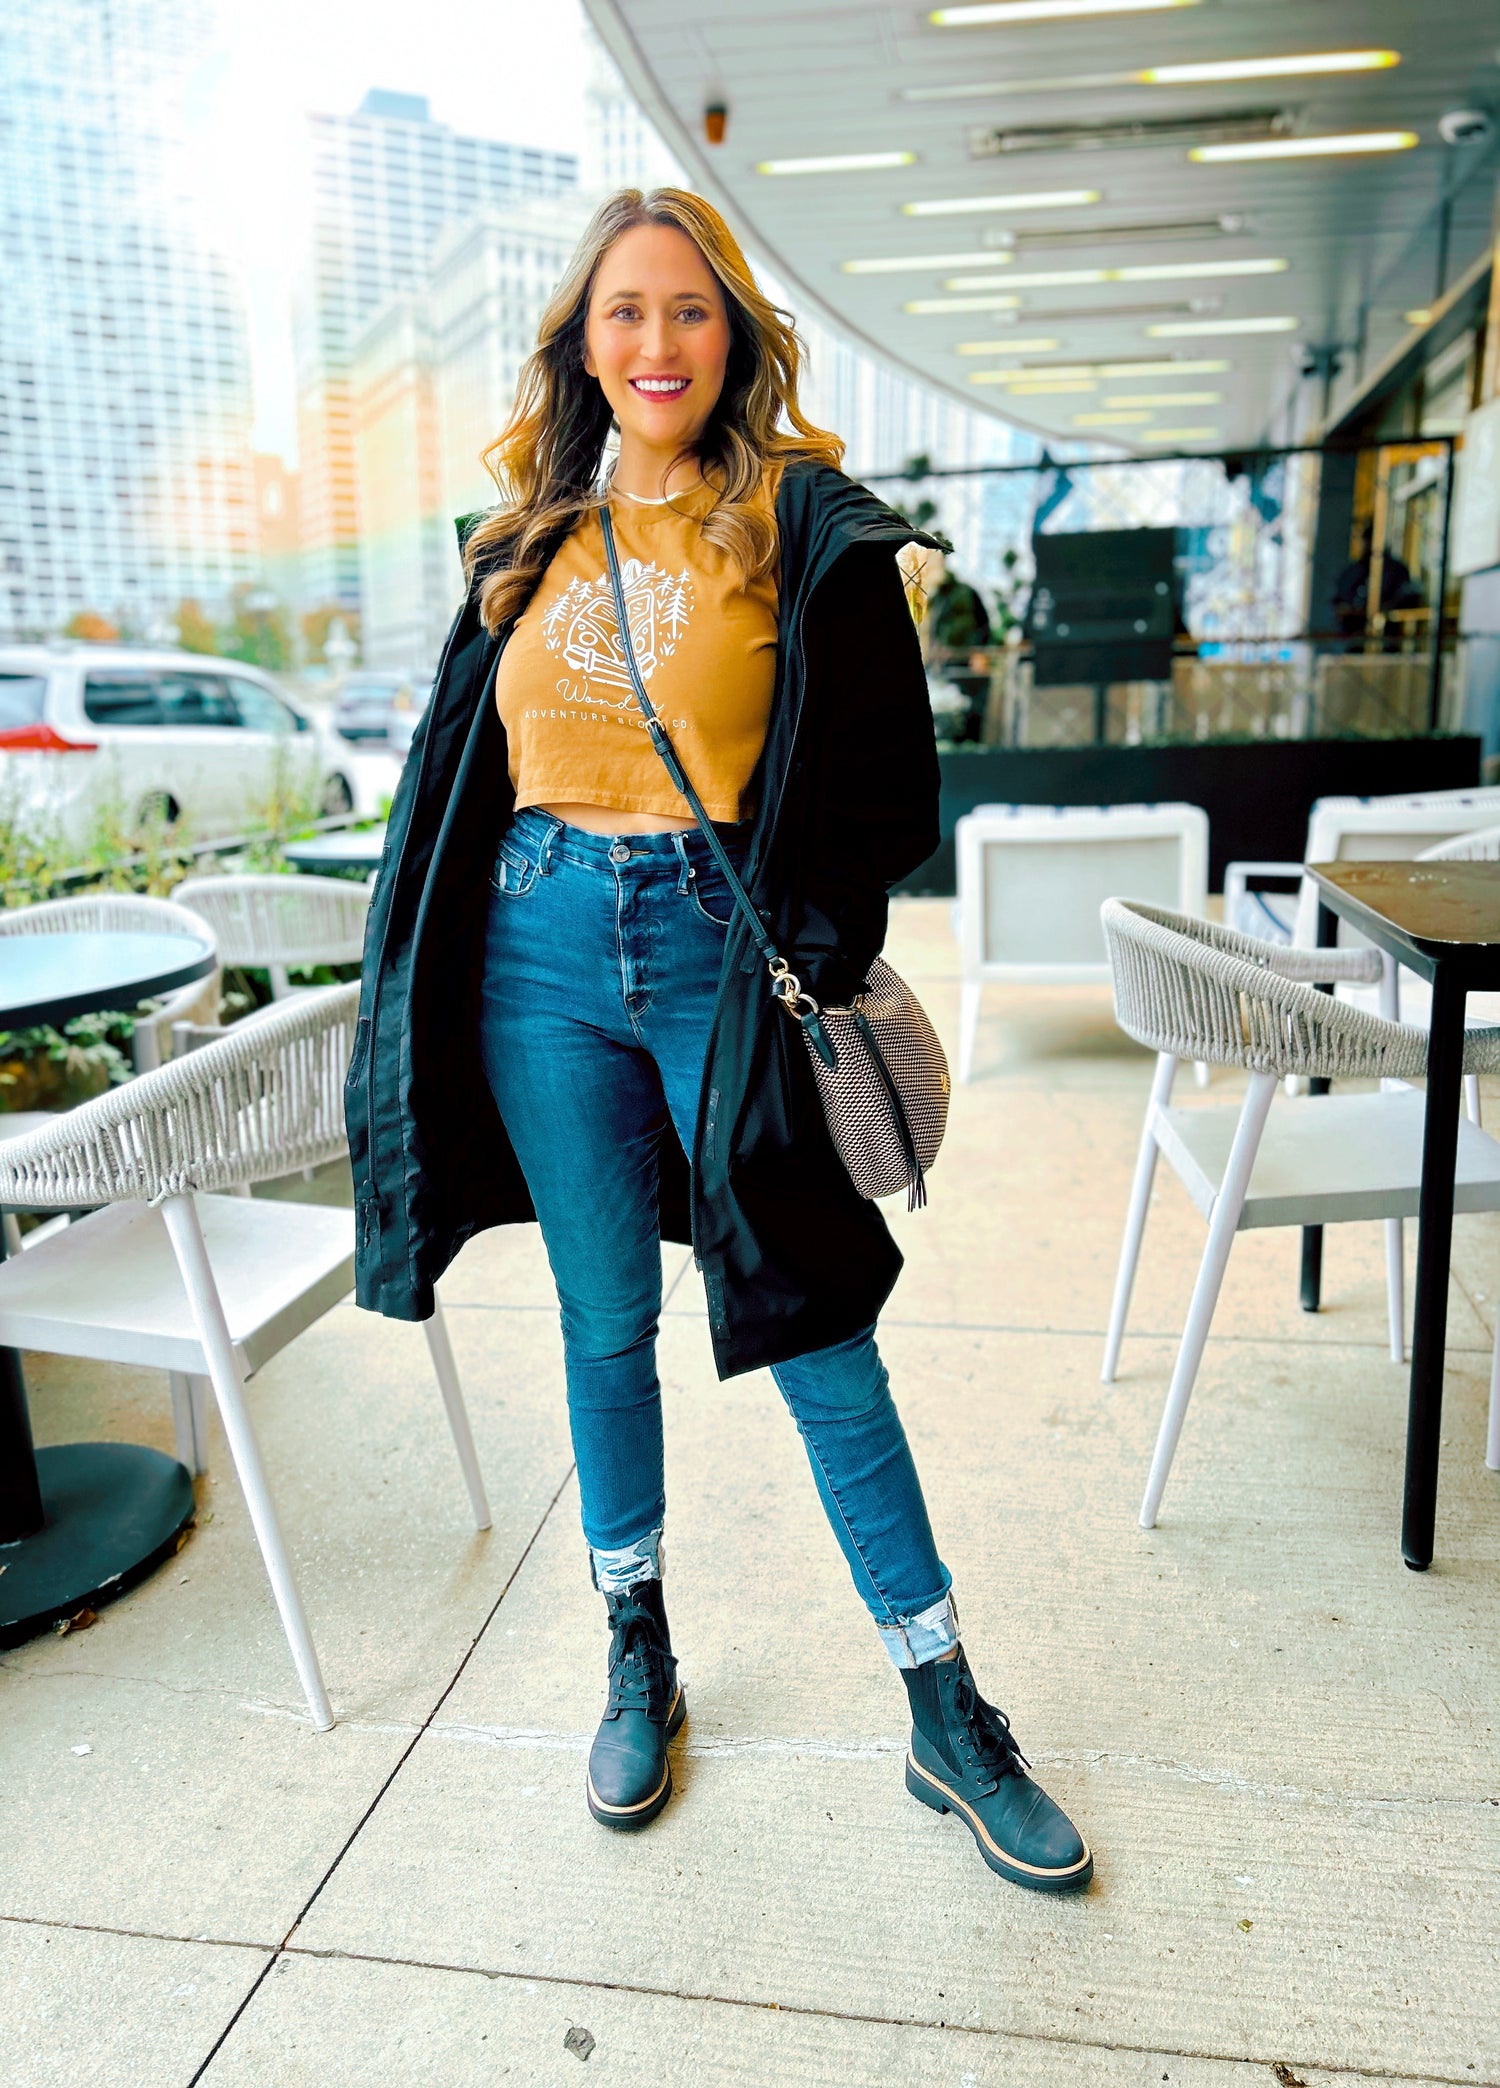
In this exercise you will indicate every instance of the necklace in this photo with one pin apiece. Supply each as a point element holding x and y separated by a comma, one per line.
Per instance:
<point>640,499</point>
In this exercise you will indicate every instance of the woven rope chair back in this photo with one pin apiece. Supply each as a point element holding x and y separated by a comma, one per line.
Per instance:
<point>108,913</point>
<point>290,921</point>
<point>263,1103</point>
<point>1480,847</point>
<point>1200,991</point>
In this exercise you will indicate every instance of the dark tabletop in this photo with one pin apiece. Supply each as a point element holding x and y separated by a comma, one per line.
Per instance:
<point>49,978</point>
<point>1432,910</point>
<point>337,851</point>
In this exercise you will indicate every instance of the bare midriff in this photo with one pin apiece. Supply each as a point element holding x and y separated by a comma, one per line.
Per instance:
<point>599,819</point>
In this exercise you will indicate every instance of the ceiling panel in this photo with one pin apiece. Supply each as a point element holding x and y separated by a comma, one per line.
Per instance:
<point>1358,234</point>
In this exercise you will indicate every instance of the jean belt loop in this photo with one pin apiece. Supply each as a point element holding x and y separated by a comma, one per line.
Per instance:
<point>544,853</point>
<point>684,866</point>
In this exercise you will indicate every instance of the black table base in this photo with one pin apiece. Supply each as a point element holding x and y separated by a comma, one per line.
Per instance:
<point>112,1513</point>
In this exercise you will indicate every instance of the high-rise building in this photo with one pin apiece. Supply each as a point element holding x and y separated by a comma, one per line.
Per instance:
<point>387,183</point>
<point>433,381</point>
<point>125,475</point>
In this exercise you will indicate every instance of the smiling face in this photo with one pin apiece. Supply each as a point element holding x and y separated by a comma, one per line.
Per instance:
<point>657,339</point>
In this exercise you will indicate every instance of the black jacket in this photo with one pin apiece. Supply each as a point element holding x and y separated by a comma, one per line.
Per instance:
<point>793,1257</point>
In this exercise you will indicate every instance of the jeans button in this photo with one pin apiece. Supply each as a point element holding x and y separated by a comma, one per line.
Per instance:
<point>619,853</point>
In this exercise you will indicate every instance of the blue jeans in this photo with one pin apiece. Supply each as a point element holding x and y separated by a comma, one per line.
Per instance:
<point>602,962</point>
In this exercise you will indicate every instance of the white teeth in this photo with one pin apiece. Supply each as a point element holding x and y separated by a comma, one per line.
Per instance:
<point>660,384</point>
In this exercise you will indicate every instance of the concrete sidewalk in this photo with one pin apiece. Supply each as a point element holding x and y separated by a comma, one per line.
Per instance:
<point>1281,1744</point>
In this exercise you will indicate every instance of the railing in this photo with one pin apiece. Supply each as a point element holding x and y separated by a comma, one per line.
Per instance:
<point>82,876</point>
<point>1310,594</point>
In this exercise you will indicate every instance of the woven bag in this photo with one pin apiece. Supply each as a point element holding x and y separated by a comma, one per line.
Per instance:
<point>881,1074</point>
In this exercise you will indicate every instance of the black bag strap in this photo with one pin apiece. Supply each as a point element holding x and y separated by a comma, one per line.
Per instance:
<point>784,982</point>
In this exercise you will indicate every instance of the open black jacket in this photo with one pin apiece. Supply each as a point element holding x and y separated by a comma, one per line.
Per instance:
<point>793,1257</point>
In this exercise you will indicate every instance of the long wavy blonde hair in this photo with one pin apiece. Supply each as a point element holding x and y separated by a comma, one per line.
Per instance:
<point>546,461</point>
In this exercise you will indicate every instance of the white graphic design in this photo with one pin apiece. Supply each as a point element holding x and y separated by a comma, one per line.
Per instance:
<point>581,625</point>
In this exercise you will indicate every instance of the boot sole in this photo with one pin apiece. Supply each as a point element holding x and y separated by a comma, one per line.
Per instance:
<point>626,1819</point>
<point>928,1791</point>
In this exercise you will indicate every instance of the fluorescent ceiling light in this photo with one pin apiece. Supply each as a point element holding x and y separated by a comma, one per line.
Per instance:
<point>1035,372</point>
<point>925,307</point>
<point>1286,68</point>
<point>838,163</point>
<point>1419,317</point>
<point>1145,272</point>
<point>896,264</point>
<point>1005,347</point>
<point>1035,199</point>
<point>1301,66</point>
<point>1178,435</point>
<point>1074,387</point>
<point>1109,420</point>
<point>1168,399</point>
<point>1309,148</point>
<point>1174,328</point>
<point>999,13</point>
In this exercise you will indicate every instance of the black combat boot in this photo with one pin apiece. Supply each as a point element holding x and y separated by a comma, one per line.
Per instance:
<point>964,1760</point>
<point>630,1778</point>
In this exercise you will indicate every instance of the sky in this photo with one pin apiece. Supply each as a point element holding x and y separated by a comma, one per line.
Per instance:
<point>510,69</point>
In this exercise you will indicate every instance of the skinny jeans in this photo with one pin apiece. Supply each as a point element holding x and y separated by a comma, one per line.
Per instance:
<point>601,969</point>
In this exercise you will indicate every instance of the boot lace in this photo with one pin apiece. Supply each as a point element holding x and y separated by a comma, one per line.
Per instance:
<point>639,1675</point>
<point>984,1735</point>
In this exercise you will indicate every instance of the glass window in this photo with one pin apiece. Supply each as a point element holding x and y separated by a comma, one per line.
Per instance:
<point>126,697</point>
<point>260,711</point>
<point>22,699</point>
<point>189,699</point>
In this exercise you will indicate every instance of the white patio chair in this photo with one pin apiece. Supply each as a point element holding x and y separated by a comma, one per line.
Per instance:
<point>1351,828</point>
<point>1190,989</point>
<point>131,913</point>
<point>198,1284</point>
<point>1031,879</point>
<point>281,923</point>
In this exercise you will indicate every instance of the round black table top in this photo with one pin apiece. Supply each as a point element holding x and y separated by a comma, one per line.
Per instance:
<point>49,978</point>
<point>338,851</point>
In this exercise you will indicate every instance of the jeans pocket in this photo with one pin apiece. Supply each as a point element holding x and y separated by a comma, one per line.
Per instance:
<point>711,897</point>
<point>514,873</point>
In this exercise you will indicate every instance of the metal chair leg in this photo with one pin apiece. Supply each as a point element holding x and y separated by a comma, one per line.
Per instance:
<point>186,1234</point>
<point>1135,1217</point>
<point>441,1351</point>
<point>970,995</point>
<point>1395,1287</point>
<point>190,1421</point>
<point>1221,1231</point>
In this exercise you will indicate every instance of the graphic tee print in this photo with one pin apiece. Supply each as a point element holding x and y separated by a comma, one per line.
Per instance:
<point>706,648</point>
<point>581,625</point>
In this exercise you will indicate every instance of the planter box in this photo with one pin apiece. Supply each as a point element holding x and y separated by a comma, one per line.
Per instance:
<point>1257,793</point>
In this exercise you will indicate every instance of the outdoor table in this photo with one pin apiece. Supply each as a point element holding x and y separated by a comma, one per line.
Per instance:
<point>325,855</point>
<point>81,1522</point>
<point>1442,920</point>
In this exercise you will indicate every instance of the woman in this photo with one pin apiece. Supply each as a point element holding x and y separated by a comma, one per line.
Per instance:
<point>561,1007</point>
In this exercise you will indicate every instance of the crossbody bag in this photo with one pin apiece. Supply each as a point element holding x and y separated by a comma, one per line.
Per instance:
<point>881,1074</point>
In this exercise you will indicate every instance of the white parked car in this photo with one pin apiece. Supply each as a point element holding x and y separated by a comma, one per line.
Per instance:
<point>117,733</point>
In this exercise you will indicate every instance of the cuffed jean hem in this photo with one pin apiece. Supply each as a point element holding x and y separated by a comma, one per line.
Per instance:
<point>913,1641</point>
<point>615,1571</point>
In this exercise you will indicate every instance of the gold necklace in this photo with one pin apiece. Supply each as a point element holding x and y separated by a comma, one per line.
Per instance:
<point>666,500</point>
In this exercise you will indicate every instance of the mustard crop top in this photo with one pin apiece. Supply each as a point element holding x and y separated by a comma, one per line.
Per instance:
<point>705,645</point>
